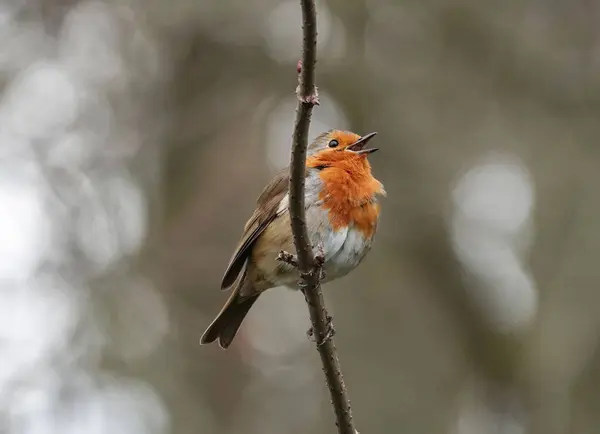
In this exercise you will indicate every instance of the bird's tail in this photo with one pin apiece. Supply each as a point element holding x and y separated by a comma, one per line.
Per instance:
<point>225,326</point>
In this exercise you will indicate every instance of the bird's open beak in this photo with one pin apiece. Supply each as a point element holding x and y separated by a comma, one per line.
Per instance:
<point>359,146</point>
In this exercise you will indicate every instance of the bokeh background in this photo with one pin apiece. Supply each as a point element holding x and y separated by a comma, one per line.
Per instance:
<point>135,137</point>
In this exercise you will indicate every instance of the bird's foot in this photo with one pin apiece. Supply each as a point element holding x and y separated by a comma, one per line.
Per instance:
<point>328,334</point>
<point>292,260</point>
<point>288,258</point>
<point>319,261</point>
<point>322,274</point>
<point>319,255</point>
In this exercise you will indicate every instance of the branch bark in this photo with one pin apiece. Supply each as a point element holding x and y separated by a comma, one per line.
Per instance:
<point>308,265</point>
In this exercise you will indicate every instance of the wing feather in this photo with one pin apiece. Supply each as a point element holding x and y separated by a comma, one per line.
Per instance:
<point>266,211</point>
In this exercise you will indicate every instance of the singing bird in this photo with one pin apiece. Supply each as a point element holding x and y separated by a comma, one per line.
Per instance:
<point>342,212</point>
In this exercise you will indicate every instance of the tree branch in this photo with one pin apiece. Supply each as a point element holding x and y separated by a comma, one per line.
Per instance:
<point>308,265</point>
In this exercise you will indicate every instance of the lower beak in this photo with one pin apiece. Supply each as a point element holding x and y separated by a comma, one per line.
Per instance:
<point>358,147</point>
<point>367,151</point>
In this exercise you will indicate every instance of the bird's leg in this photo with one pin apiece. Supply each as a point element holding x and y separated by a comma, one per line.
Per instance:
<point>320,260</point>
<point>328,335</point>
<point>292,260</point>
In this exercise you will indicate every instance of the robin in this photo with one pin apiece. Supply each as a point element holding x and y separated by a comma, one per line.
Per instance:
<point>342,212</point>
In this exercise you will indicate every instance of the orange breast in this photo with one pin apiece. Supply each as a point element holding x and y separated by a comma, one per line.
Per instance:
<point>349,198</point>
<point>365,218</point>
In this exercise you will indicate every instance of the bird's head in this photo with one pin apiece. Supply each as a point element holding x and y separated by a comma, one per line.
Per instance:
<point>340,149</point>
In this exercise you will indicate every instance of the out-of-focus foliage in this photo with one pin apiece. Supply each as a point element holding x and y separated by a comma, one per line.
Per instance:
<point>136,135</point>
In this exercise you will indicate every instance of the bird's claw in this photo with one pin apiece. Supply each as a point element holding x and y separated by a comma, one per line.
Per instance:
<point>322,274</point>
<point>319,261</point>
<point>288,258</point>
<point>320,255</point>
<point>328,334</point>
<point>291,259</point>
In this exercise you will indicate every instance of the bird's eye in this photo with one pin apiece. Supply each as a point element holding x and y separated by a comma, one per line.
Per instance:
<point>333,143</point>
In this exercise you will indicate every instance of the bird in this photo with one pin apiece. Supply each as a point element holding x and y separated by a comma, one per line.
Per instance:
<point>342,213</point>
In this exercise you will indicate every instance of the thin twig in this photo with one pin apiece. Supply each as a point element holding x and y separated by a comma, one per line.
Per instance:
<point>308,265</point>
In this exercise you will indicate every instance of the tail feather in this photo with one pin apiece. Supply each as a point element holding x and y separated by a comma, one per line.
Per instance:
<point>229,320</point>
<point>225,326</point>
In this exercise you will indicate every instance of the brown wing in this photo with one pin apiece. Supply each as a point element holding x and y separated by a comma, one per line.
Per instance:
<point>266,211</point>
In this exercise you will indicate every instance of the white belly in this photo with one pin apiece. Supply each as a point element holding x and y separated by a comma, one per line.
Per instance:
<point>344,248</point>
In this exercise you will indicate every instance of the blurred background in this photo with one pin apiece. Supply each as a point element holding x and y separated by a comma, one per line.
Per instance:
<point>135,137</point>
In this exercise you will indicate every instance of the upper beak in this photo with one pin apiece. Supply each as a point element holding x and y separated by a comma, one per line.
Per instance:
<point>359,146</point>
